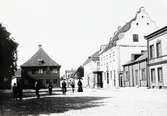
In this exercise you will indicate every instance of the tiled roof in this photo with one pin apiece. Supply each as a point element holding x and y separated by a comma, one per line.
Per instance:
<point>40,58</point>
<point>93,57</point>
<point>141,58</point>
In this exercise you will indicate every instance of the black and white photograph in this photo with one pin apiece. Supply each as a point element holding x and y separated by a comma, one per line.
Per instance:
<point>83,58</point>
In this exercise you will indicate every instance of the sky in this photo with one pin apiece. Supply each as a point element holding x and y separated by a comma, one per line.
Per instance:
<point>71,30</point>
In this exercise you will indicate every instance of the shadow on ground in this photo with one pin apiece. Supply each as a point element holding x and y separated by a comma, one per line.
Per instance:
<point>46,104</point>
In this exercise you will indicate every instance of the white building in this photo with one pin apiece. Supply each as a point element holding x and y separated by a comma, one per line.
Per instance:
<point>157,52</point>
<point>129,39</point>
<point>92,76</point>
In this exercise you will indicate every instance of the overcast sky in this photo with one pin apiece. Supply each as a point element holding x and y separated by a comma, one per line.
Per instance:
<point>71,30</point>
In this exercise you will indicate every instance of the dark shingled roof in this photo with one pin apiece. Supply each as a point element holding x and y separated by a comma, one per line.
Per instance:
<point>93,57</point>
<point>122,29</point>
<point>140,59</point>
<point>40,58</point>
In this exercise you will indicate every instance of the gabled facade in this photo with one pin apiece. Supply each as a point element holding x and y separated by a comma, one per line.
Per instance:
<point>157,55</point>
<point>92,76</point>
<point>127,40</point>
<point>40,67</point>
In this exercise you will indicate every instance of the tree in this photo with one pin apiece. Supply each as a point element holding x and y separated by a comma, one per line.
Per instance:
<point>8,55</point>
<point>80,72</point>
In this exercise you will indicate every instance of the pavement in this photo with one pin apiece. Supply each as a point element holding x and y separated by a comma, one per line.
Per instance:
<point>91,102</point>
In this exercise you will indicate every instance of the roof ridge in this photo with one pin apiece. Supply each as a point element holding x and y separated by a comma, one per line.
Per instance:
<point>40,58</point>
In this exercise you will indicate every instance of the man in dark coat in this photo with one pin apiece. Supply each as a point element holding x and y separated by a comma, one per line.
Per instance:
<point>64,89</point>
<point>72,86</point>
<point>14,89</point>
<point>37,88</point>
<point>50,88</point>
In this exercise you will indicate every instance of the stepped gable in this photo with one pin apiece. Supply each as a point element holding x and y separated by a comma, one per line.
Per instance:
<point>40,58</point>
<point>122,29</point>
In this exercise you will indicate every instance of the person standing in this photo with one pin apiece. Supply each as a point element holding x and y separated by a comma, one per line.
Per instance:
<point>37,88</point>
<point>64,89</point>
<point>72,86</point>
<point>50,88</point>
<point>80,86</point>
<point>20,89</point>
<point>14,89</point>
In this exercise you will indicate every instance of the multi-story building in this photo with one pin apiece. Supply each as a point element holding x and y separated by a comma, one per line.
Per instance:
<point>157,55</point>
<point>40,67</point>
<point>127,40</point>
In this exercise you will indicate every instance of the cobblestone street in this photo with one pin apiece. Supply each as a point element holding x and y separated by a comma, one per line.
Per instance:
<point>115,102</point>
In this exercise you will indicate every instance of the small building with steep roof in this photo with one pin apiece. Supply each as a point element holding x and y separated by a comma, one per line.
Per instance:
<point>40,67</point>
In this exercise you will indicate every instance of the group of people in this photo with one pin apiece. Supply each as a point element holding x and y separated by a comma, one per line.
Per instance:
<point>18,90</point>
<point>64,88</point>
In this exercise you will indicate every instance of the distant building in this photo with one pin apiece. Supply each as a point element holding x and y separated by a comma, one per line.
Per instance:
<point>157,55</point>
<point>40,67</point>
<point>134,74</point>
<point>69,76</point>
<point>92,74</point>
<point>127,40</point>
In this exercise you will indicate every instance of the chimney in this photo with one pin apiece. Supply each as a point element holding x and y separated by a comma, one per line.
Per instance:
<point>39,46</point>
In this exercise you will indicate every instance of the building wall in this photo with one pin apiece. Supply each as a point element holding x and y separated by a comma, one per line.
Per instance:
<point>157,62</point>
<point>31,74</point>
<point>89,76</point>
<point>164,72</point>
<point>109,64</point>
<point>135,79</point>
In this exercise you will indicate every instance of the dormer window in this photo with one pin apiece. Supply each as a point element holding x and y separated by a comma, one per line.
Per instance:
<point>135,37</point>
<point>142,16</point>
<point>137,23</point>
<point>40,60</point>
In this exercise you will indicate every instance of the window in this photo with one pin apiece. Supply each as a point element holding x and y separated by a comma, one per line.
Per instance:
<point>135,37</point>
<point>136,74</point>
<point>152,75</point>
<point>160,75</point>
<point>54,71</point>
<point>151,51</point>
<point>127,75</point>
<point>40,71</point>
<point>143,74</point>
<point>111,74</point>
<point>158,48</point>
<point>107,78</point>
